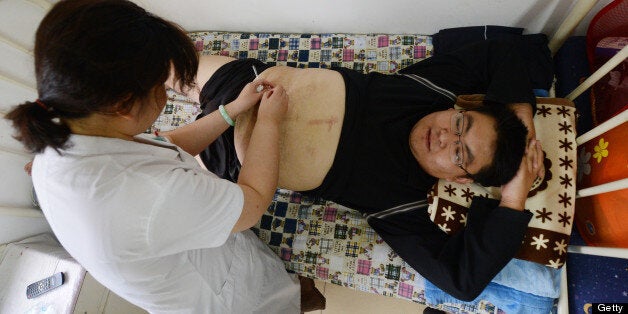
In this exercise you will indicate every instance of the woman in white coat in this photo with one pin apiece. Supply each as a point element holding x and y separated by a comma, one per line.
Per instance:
<point>137,211</point>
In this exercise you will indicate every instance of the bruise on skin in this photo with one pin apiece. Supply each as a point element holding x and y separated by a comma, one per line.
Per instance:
<point>330,122</point>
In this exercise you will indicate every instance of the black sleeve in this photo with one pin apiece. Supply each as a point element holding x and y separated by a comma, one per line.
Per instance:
<point>464,263</point>
<point>491,67</point>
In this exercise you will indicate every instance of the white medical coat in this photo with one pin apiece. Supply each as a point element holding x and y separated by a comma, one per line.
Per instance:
<point>155,228</point>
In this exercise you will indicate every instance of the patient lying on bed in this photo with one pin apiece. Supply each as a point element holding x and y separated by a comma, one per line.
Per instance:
<point>377,143</point>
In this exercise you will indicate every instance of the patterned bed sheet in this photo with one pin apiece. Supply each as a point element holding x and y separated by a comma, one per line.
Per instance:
<point>327,241</point>
<point>315,237</point>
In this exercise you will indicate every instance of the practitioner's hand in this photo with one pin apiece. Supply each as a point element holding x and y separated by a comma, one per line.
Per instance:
<point>249,96</point>
<point>515,192</point>
<point>274,105</point>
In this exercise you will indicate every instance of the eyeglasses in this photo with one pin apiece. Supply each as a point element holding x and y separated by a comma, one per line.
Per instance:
<point>456,150</point>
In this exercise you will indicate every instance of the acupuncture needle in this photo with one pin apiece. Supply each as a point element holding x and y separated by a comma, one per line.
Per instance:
<point>259,87</point>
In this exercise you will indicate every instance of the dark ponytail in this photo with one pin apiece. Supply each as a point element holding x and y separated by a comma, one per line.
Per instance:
<point>98,56</point>
<point>37,127</point>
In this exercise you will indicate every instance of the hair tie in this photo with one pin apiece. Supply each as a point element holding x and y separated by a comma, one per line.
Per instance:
<point>41,104</point>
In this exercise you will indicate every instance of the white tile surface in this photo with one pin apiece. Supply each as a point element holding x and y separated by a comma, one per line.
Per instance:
<point>29,261</point>
<point>342,300</point>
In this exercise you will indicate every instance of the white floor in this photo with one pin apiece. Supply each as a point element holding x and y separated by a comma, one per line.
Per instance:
<point>342,300</point>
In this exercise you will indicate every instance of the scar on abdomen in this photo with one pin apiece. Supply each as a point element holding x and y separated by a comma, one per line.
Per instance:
<point>330,122</point>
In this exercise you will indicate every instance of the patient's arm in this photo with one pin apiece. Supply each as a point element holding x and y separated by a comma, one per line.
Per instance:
<point>491,67</point>
<point>461,264</point>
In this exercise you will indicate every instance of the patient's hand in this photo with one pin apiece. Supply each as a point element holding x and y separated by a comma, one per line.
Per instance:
<point>515,192</point>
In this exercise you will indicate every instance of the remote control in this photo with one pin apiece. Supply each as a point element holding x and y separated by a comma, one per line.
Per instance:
<point>40,287</point>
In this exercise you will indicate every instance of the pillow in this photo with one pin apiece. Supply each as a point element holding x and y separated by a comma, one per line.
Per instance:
<point>551,200</point>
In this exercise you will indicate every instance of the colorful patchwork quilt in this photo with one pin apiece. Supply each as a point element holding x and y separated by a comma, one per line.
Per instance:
<point>315,237</point>
<point>367,53</point>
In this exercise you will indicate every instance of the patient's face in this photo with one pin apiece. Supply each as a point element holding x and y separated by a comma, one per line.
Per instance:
<point>431,142</point>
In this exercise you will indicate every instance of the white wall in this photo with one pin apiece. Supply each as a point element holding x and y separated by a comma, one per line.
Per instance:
<point>19,20</point>
<point>365,16</point>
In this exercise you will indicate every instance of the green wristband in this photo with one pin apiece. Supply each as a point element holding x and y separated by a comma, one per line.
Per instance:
<point>225,115</point>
